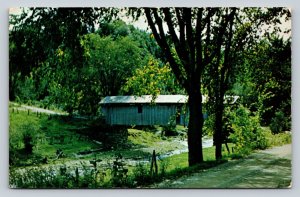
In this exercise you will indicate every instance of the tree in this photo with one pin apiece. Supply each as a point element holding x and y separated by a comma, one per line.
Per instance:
<point>189,46</point>
<point>38,34</point>
<point>152,79</point>
<point>108,63</point>
<point>222,73</point>
<point>269,86</point>
<point>206,38</point>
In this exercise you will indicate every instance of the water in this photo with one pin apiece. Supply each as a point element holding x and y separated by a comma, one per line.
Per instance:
<point>206,143</point>
<point>107,164</point>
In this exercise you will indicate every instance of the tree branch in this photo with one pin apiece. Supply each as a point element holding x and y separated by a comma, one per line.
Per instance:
<point>161,39</point>
<point>181,51</point>
<point>198,39</point>
<point>222,29</point>
<point>181,26</point>
<point>227,62</point>
<point>187,15</point>
<point>208,32</point>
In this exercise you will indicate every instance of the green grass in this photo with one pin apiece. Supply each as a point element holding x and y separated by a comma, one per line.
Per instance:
<point>48,135</point>
<point>181,160</point>
<point>142,138</point>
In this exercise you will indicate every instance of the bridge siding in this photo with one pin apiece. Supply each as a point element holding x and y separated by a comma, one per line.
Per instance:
<point>151,114</point>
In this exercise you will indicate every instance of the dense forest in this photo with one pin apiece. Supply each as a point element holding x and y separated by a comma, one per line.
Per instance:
<point>68,59</point>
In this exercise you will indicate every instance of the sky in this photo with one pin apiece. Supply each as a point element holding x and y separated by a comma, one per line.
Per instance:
<point>141,23</point>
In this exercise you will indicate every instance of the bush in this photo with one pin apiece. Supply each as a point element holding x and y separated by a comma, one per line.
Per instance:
<point>141,175</point>
<point>279,123</point>
<point>170,130</point>
<point>247,133</point>
<point>277,139</point>
<point>29,133</point>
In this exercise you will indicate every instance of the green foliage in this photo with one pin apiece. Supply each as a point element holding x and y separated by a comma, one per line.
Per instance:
<point>170,128</point>
<point>152,79</point>
<point>247,133</point>
<point>267,88</point>
<point>61,178</point>
<point>74,67</point>
<point>39,32</point>
<point>279,123</point>
<point>141,175</point>
<point>119,172</point>
<point>44,135</point>
<point>277,139</point>
<point>29,138</point>
<point>113,60</point>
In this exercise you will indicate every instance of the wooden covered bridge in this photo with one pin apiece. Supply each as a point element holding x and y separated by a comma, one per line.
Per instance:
<point>144,110</point>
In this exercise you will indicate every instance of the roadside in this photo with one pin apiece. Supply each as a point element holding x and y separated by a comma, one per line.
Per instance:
<point>269,168</point>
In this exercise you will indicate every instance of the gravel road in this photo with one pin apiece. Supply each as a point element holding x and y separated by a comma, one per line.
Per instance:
<point>269,168</point>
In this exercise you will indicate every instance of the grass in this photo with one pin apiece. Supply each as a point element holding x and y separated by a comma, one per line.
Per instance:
<point>181,160</point>
<point>49,132</point>
<point>146,139</point>
<point>49,135</point>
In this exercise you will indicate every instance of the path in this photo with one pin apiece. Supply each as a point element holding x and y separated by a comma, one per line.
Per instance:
<point>264,169</point>
<point>36,109</point>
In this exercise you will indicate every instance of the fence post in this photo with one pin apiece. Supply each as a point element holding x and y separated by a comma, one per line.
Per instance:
<point>153,163</point>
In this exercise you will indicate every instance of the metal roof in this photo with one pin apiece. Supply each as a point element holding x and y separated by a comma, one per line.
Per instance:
<point>159,99</point>
<point>144,99</point>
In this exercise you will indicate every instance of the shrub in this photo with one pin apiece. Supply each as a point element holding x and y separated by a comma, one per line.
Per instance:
<point>247,133</point>
<point>119,172</point>
<point>169,130</point>
<point>279,123</point>
<point>277,139</point>
<point>28,134</point>
<point>141,175</point>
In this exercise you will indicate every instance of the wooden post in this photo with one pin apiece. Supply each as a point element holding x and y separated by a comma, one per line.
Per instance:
<point>153,163</point>
<point>227,147</point>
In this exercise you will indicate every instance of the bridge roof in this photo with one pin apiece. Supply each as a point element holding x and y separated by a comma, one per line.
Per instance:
<point>163,99</point>
<point>145,99</point>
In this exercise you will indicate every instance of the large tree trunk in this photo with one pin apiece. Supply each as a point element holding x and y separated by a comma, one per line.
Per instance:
<point>195,128</point>
<point>218,139</point>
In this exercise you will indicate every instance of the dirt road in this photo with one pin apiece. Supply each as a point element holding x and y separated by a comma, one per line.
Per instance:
<point>35,109</point>
<point>264,169</point>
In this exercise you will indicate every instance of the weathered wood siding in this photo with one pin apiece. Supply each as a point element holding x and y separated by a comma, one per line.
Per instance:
<point>129,115</point>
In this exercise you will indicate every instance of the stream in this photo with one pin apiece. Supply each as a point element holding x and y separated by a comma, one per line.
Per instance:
<point>84,164</point>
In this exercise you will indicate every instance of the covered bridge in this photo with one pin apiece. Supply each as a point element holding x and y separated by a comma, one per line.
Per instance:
<point>143,110</point>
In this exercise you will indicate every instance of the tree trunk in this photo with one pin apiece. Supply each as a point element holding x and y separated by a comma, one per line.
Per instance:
<point>195,128</point>
<point>218,135</point>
